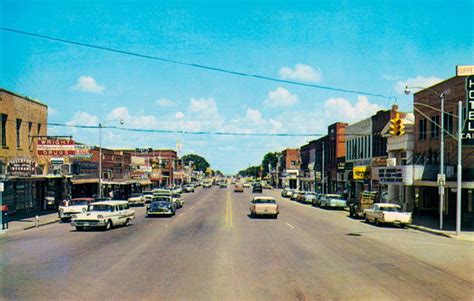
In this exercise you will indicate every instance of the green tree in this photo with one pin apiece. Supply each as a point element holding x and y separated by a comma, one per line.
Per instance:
<point>269,158</point>
<point>199,163</point>
<point>252,171</point>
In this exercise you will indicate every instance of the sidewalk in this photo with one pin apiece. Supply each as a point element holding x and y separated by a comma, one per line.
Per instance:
<point>28,221</point>
<point>430,224</point>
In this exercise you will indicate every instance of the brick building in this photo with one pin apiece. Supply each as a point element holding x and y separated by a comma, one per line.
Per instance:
<point>289,168</point>
<point>427,150</point>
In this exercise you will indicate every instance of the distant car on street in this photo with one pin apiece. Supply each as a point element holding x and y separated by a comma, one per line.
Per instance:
<point>188,188</point>
<point>136,199</point>
<point>223,185</point>
<point>148,195</point>
<point>74,206</point>
<point>383,213</point>
<point>104,215</point>
<point>332,201</point>
<point>308,197</point>
<point>264,206</point>
<point>267,186</point>
<point>238,188</point>
<point>206,185</point>
<point>257,188</point>
<point>317,200</point>
<point>294,194</point>
<point>247,185</point>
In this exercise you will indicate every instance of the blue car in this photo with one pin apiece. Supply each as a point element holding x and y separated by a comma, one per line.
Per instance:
<point>161,208</point>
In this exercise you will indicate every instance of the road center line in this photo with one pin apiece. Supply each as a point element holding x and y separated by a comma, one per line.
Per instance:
<point>289,225</point>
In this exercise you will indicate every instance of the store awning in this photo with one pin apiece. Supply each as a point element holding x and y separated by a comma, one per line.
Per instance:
<point>449,184</point>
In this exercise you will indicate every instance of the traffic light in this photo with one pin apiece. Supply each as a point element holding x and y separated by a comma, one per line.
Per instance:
<point>397,128</point>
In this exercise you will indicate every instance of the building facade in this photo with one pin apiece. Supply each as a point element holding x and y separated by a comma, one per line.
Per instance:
<point>290,163</point>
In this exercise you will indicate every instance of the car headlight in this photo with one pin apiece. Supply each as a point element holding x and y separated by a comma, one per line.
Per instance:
<point>100,216</point>
<point>84,209</point>
<point>73,216</point>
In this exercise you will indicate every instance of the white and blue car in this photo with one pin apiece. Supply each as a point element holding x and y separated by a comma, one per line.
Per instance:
<point>332,201</point>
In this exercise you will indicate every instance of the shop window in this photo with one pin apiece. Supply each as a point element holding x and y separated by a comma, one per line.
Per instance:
<point>448,123</point>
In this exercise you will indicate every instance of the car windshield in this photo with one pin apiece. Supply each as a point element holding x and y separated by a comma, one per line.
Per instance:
<point>78,202</point>
<point>161,199</point>
<point>334,196</point>
<point>100,207</point>
<point>160,204</point>
<point>264,201</point>
<point>135,195</point>
<point>390,209</point>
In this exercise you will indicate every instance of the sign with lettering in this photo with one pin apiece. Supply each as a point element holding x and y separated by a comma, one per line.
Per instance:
<point>143,150</point>
<point>21,167</point>
<point>55,147</point>
<point>468,132</point>
<point>361,172</point>
<point>465,70</point>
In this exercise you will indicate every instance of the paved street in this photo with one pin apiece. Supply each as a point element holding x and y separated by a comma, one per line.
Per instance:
<point>211,250</point>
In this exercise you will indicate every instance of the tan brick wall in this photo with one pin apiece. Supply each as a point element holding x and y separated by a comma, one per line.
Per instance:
<point>18,107</point>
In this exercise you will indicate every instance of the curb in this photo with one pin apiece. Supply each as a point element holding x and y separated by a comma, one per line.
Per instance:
<point>42,224</point>
<point>428,230</point>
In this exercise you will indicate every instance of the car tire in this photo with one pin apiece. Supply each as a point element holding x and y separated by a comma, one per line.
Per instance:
<point>108,225</point>
<point>275,216</point>
<point>127,222</point>
<point>79,228</point>
<point>366,219</point>
<point>377,223</point>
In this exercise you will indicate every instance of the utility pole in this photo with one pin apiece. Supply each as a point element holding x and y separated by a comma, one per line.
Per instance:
<point>459,179</point>
<point>322,171</point>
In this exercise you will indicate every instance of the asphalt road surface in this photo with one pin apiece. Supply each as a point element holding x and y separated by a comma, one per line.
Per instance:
<point>212,250</point>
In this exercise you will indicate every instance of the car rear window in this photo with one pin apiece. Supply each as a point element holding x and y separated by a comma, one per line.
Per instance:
<point>390,209</point>
<point>263,201</point>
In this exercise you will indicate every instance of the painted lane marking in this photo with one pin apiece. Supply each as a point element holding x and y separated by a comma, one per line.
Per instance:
<point>289,225</point>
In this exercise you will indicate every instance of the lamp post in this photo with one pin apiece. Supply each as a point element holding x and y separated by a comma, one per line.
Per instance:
<point>441,160</point>
<point>102,125</point>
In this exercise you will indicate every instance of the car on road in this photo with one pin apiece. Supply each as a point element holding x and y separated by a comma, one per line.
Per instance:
<point>317,200</point>
<point>264,206</point>
<point>294,194</point>
<point>148,195</point>
<point>238,188</point>
<point>308,197</point>
<point>257,188</point>
<point>68,208</point>
<point>206,185</point>
<point>173,194</point>
<point>267,186</point>
<point>286,192</point>
<point>247,185</point>
<point>223,185</point>
<point>136,199</point>
<point>161,206</point>
<point>106,214</point>
<point>332,201</point>
<point>188,188</point>
<point>386,213</point>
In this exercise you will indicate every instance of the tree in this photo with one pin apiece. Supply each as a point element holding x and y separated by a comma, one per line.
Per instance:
<point>199,163</point>
<point>269,158</point>
<point>252,171</point>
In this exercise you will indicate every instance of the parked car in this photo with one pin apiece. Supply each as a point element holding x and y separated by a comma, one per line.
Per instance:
<point>161,206</point>
<point>257,188</point>
<point>267,186</point>
<point>300,196</point>
<point>148,195</point>
<point>238,188</point>
<point>294,195</point>
<point>383,213</point>
<point>247,185</point>
<point>332,201</point>
<point>206,185</point>
<point>136,199</point>
<point>68,208</point>
<point>289,193</point>
<point>264,206</point>
<point>223,185</point>
<point>188,188</point>
<point>308,197</point>
<point>285,192</point>
<point>317,200</point>
<point>105,215</point>
<point>365,201</point>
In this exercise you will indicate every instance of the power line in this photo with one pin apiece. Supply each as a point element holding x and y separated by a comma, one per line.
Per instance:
<point>200,66</point>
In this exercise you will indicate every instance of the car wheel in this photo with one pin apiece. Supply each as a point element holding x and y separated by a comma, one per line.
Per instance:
<point>377,223</point>
<point>366,219</point>
<point>79,228</point>
<point>127,222</point>
<point>275,216</point>
<point>108,226</point>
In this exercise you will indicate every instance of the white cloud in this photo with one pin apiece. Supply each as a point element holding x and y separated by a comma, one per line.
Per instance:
<point>346,112</point>
<point>134,121</point>
<point>179,115</point>
<point>88,84</point>
<point>280,97</point>
<point>52,112</point>
<point>83,118</point>
<point>419,81</point>
<point>301,72</point>
<point>165,102</point>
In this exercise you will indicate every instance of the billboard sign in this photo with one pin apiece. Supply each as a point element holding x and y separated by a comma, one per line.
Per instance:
<point>468,132</point>
<point>55,147</point>
<point>21,167</point>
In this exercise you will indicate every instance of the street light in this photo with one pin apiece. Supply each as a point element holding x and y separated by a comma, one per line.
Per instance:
<point>101,125</point>
<point>441,161</point>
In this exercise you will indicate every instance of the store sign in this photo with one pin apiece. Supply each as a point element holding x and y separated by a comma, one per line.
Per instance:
<point>81,152</point>
<point>361,172</point>
<point>55,147</point>
<point>468,132</point>
<point>464,70</point>
<point>390,175</point>
<point>143,150</point>
<point>21,166</point>
<point>57,161</point>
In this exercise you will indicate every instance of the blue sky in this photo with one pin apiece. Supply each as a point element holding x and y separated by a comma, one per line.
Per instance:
<point>373,46</point>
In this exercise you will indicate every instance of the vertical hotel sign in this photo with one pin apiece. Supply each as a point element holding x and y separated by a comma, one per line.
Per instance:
<point>55,147</point>
<point>468,132</point>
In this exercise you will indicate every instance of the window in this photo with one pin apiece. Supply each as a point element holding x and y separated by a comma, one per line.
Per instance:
<point>448,122</point>
<point>4,130</point>
<point>39,128</point>
<point>435,126</point>
<point>30,125</point>
<point>18,136</point>
<point>422,129</point>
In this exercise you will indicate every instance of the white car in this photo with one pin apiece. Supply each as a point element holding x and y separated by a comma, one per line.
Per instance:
<point>264,206</point>
<point>384,213</point>
<point>105,215</point>
<point>136,199</point>
<point>74,206</point>
<point>332,201</point>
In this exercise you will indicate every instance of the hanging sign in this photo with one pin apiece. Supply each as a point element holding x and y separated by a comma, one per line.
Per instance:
<point>21,166</point>
<point>55,147</point>
<point>468,132</point>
